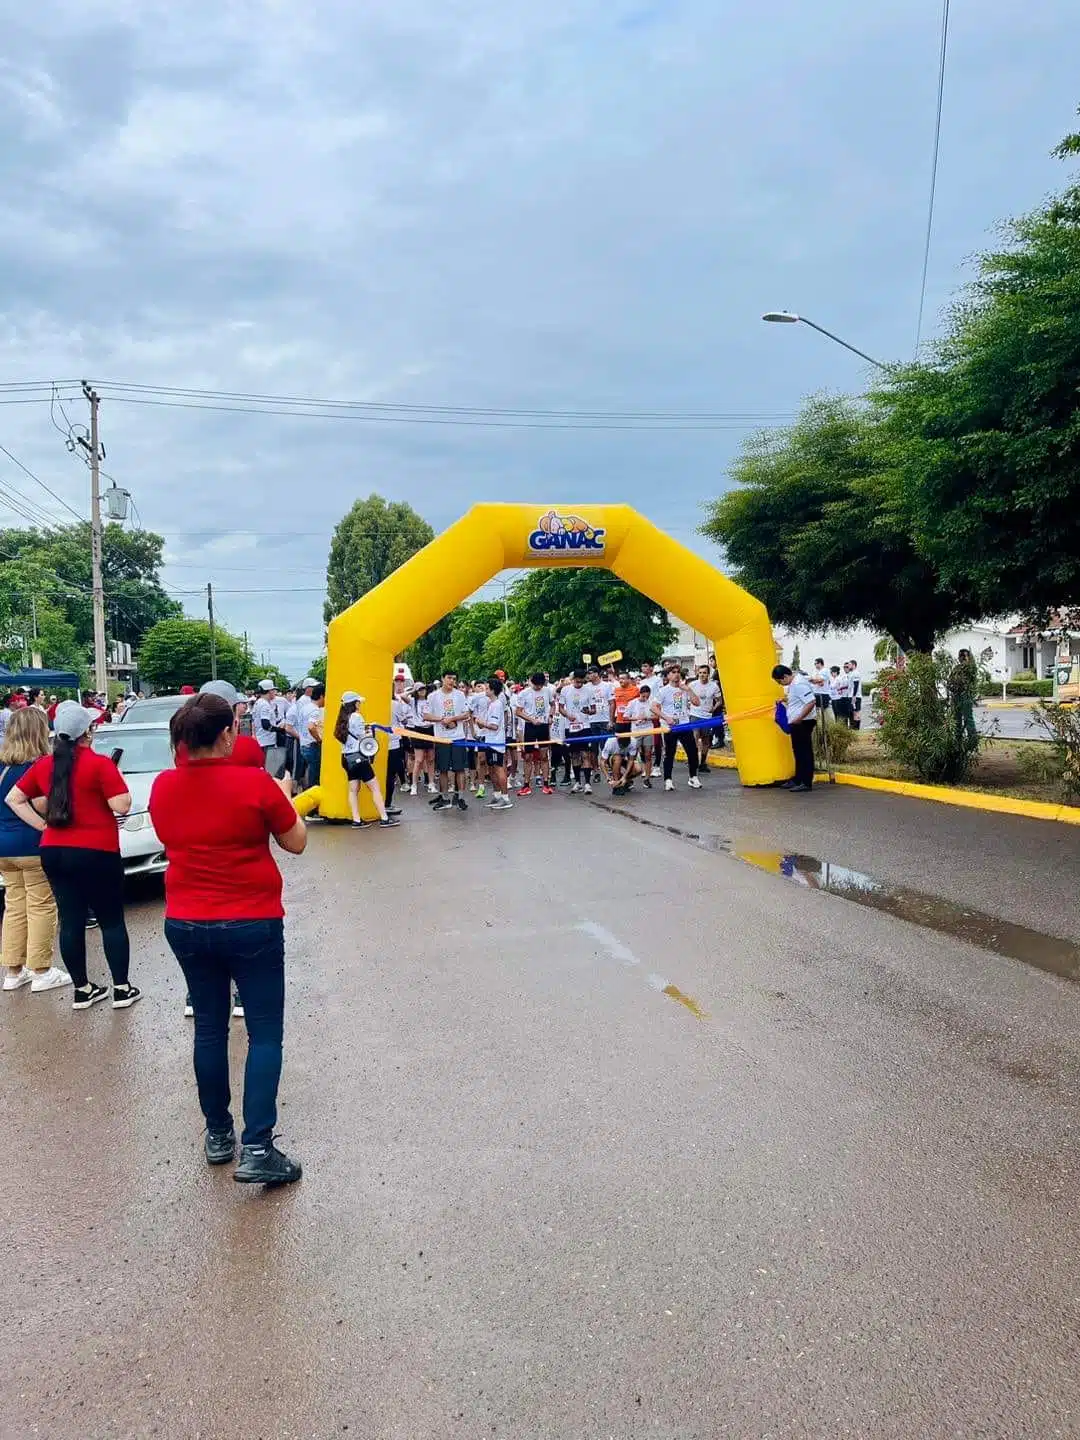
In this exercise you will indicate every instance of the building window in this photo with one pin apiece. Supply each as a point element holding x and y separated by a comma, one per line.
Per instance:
<point>1028,662</point>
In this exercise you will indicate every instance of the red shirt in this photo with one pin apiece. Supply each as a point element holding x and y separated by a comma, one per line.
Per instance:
<point>94,781</point>
<point>246,750</point>
<point>215,819</point>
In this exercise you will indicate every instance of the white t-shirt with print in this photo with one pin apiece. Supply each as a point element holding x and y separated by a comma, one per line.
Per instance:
<point>495,714</point>
<point>537,705</point>
<point>706,692</point>
<point>611,747</point>
<point>440,706</point>
<point>578,705</point>
<point>674,704</point>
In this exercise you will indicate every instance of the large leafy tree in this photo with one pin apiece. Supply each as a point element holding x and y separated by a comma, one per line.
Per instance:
<point>988,436</point>
<point>32,619</point>
<point>560,615</point>
<point>130,564</point>
<point>369,543</point>
<point>470,629</point>
<point>177,652</point>
<point>818,528</point>
<point>425,654</point>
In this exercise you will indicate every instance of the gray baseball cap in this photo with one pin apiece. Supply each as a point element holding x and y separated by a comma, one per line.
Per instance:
<point>72,720</point>
<point>223,688</point>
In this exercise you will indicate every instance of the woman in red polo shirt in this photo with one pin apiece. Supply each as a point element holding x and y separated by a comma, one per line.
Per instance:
<point>84,793</point>
<point>224,923</point>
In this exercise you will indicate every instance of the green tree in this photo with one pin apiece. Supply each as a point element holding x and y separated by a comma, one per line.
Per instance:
<point>369,543</point>
<point>317,669</point>
<point>559,615</point>
<point>470,629</point>
<point>177,652</point>
<point>819,530</point>
<point>32,620</point>
<point>988,437</point>
<point>425,655</point>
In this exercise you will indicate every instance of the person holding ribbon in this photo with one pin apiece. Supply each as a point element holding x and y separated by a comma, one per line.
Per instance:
<point>358,746</point>
<point>672,707</point>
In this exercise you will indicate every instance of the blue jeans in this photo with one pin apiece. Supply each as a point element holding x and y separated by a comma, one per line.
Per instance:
<point>310,758</point>
<point>212,953</point>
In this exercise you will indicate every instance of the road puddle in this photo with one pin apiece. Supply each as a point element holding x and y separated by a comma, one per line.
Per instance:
<point>961,922</point>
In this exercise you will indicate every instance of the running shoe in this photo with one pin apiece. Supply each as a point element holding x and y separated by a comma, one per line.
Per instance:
<point>694,783</point>
<point>89,995</point>
<point>393,810</point>
<point>669,784</point>
<point>525,790</point>
<point>587,789</point>
<point>16,979</point>
<point>501,802</point>
<point>618,790</point>
<point>266,1165</point>
<point>575,789</point>
<point>189,1008</point>
<point>124,996</point>
<point>52,979</point>
<point>432,789</point>
<point>656,772</point>
<point>440,803</point>
<point>389,822</point>
<point>461,802</point>
<point>547,790</point>
<point>412,789</point>
<point>481,791</point>
<point>648,783</point>
<point>237,1009</point>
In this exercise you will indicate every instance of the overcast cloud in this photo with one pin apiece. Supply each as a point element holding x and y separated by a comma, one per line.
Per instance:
<point>576,204</point>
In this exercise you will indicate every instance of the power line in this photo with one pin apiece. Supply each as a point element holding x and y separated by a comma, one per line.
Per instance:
<point>37,480</point>
<point>933,169</point>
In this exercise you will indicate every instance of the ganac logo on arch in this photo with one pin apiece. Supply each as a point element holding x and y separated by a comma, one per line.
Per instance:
<point>565,532</point>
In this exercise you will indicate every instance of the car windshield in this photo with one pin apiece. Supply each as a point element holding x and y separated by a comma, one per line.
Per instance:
<point>154,710</point>
<point>143,752</point>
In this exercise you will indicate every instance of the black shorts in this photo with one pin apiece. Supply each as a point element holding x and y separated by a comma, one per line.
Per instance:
<point>576,738</point>
<point>493,757</point>
<point>598,728</point>
<point>536,733</point>
<point>357,767</point>
<point>451,757</point>
<point>428,742</point>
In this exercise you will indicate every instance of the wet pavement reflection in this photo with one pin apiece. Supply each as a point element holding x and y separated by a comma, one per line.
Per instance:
<point>973,927</point>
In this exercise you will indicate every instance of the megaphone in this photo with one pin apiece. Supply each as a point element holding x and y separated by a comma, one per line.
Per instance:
<point>368,747</point>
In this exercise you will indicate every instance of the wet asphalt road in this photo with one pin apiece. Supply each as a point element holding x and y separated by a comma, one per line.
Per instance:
<point>605,1133</point>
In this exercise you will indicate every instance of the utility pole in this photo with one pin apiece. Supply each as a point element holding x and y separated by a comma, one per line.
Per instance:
<point>213,639</point>
<point>101,676</point>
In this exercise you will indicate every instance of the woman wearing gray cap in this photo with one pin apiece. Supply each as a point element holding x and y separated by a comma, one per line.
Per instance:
<point>80,849</point>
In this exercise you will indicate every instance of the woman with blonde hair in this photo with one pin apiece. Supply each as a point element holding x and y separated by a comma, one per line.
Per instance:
<point>30,909</point>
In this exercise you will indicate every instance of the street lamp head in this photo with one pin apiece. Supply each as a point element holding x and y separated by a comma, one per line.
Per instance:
<point>781,317</point>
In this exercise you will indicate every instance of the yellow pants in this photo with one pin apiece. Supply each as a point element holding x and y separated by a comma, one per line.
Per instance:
<point>29,913</point>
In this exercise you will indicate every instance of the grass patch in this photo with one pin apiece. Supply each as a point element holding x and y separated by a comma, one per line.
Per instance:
<point>1017,768</point>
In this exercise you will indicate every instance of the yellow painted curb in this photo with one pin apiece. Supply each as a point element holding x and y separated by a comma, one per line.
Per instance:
<point>945,795</point>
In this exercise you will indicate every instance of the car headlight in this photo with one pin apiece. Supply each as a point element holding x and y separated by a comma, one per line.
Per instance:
<point>139,820</point>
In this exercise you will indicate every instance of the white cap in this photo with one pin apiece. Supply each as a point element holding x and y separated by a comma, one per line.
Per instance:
<point>350,697</point>
<point>223,688</point>
<point>72,720</point>
<point>267,685</point>
<point>308,683</point>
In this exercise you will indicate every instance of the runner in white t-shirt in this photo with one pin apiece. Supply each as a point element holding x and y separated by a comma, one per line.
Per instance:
<point>447,710</point>
<point>672,707</point>
<point>478,703</point>
<point>492,726</point>
<point>707,695</point>
<point>578,705</point>
<point>534,707</point>
<point>619,762</point>
<point>639,714</point>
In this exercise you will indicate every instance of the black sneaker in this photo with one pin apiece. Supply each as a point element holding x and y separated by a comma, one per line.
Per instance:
<point>124,996</point>
<point>440,803</point>
<point>390,821</point>
<point>266,1165</point>
<point>461,802</point>
<point>89,995</point>
<point>393,810</point>
<point>220,1146</point>
<point>647,783</point>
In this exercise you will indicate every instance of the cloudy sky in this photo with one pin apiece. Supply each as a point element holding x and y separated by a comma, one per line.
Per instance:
<point>574,205</point>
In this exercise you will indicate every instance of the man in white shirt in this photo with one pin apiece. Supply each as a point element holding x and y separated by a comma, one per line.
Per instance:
<point>619,763</point>
<point>671,707</point>
<point>840,694</point>
<point>640,717</point>
<point>534,707</point>
<point>305,708</point>
<point>264,724</point>
<point>819,679</point>
<point>708,704</point>
<point>801,718</point>
<point>493,728</point>
<point>478,703</point>
<point>578,704</point>
<point>855,681</point>
<point>447,709</point>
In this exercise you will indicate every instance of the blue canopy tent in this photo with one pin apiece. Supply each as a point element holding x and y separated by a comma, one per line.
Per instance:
<point>43,679</point>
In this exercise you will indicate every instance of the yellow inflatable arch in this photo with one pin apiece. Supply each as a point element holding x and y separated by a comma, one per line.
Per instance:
<point>364,640</point>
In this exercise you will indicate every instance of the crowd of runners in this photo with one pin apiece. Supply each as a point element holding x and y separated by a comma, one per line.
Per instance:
<point>496,737</point>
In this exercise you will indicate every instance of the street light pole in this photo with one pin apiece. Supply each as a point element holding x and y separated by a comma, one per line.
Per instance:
<point>786,317</point>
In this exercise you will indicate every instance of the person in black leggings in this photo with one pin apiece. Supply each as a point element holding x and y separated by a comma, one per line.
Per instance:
<point>83,793</point>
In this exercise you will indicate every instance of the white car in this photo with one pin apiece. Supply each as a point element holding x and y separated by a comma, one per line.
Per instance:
<point>142,752</point>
